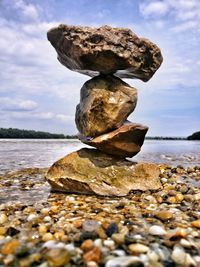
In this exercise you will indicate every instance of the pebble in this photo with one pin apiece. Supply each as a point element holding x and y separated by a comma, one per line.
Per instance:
<point>109,243</point>
<point>42,229</point>
<point>3,218</point>
<point>2,230</point>
<point>10,247</point>
<point>57,257</point>
<point>138,248</point>
<point>178,255</point>
<point>87,245</point>
<point>196,223</point>
<point>92,255</point>
<point>90,225</point>
<point>32,217</point>
<point>47,237</point>
<point>179,197</point>
<point>118,238</point>
<point>124,261</point>
<point>164,215</point>
<point>47,219</point>
<point>112,228</point>
<point>156,230</point>
<point>92,264</point>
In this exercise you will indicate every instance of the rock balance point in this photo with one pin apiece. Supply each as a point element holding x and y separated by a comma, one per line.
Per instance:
<point>106,54</point>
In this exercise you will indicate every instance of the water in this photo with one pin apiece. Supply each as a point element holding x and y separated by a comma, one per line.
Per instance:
<point>20,153</point>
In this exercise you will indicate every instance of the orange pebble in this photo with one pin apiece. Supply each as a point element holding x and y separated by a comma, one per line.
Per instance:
<point>10,247</point>
<point>92,255</point>
<point>87,245</point>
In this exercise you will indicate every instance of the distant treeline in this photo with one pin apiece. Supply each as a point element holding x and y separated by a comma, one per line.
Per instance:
<point>31,134</point>
<point>164,138</point>
<point>194,136</point>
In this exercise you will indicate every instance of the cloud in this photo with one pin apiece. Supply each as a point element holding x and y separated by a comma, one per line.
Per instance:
<point>8,104</point>
<point>51,116</point>
<point>158,8</point>
<point>186,13</point>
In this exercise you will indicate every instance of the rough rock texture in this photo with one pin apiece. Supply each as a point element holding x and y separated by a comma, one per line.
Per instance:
<point>105,50</point>
<point>89,171</point>
<point>126,141</point>
<point>106,102</point>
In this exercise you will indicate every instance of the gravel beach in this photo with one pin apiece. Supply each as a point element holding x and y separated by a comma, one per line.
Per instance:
<point>43,228</point>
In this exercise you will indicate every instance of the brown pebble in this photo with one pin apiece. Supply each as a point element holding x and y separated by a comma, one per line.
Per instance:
<point>87,245</point>
<point>47,237</point>
<point>92,255</point>
<point>2,230</point>
<point>57,257</point>
<point>179,197</point>
<point>171,200</point>
<point>164,215</point>
<point>77,223</point>
<point>196,223</point>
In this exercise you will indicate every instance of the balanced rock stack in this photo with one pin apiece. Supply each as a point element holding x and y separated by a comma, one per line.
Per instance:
<point>106,54</point>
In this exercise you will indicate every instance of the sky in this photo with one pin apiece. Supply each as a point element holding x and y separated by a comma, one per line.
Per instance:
<point>37,92</point>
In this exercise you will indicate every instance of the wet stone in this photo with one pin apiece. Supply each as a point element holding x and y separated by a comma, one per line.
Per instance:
<point>90,225</point>
<point>112,228</point>
<point>89,171</point>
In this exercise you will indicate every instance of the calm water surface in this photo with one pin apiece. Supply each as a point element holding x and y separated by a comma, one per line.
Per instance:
<point>20,153</point>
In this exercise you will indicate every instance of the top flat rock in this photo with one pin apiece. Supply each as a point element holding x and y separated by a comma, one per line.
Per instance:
<point>105,50</point>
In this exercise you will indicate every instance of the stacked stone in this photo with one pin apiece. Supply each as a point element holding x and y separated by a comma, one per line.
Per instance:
<point>107,54</point>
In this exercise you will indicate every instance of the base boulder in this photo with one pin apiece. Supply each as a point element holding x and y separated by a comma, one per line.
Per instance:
<point>89,171</point>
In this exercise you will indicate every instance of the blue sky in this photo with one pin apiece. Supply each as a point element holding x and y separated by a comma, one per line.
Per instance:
<point>37,92</point>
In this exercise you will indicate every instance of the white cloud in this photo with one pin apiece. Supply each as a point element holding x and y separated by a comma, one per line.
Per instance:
<point>29,11</point>
<point>185,26</point>
<point>41,116</point>
<point>10,104</point>
<point>186,13</point>
<point>155,8</point>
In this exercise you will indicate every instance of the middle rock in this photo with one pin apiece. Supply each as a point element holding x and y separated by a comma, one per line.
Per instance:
<point>106,102</point>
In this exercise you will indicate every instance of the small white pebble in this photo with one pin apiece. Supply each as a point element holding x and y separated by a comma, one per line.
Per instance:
<point>178,255</point>
<point>189,261</point>
<point>32,217</point>
<point>70,199</point>
<point>47,219</point>
<point>138,248</point>
<point>109,243</point>
<point>91,264</point>
<point>139,237</point>
<point>70,247</point>
<point>156,230</point>
<point>164,180</point>
<point>98,243</point>
<point>49,244</point>
<point>119,252</point>
<point>185,243</point>
<point>197,259</point>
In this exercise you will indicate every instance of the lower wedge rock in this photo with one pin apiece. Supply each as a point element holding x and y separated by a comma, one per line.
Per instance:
<point>125,141</point>
<point>89,171</point>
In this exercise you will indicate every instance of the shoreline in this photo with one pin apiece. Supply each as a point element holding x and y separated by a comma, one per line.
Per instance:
<point>158,228</point>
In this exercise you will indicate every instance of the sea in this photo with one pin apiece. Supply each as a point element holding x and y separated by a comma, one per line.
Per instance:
<point>17,154</point>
